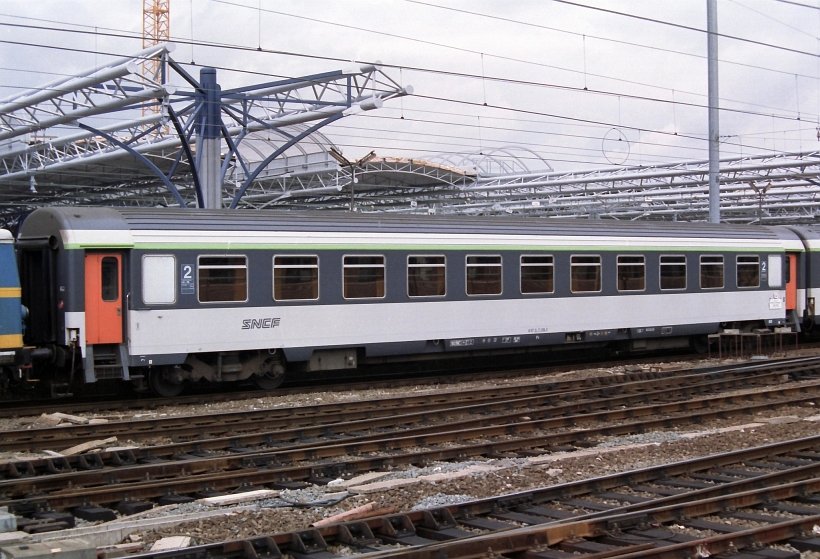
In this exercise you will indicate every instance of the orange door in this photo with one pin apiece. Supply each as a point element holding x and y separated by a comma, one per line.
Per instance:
<point>791,282</point>
<point>103,298</point>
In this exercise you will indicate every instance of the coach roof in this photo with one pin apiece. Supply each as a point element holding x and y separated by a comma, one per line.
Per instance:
<point>45,222</point>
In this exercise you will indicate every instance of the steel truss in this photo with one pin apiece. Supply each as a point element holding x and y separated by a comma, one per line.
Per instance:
<point>379,182</point>
<point>762,189</point>
<point>782,187</point>
<point>272,154</point>
<point>153,160</point>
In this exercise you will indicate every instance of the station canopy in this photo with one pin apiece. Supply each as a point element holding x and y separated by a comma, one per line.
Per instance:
<point>115,137</point>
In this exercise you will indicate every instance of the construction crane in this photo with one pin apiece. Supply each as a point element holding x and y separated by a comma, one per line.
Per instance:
<point>156,29</point>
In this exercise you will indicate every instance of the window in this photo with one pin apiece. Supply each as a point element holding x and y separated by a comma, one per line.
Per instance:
<point>426,276</point>
<point>363,277</point>
<point>222,279</point>
<point>673,271</point>
<point>110,281</point>
<point>159,279</point>
<point>585,274</point>
<point>484,275</point>
<point>631,273</point>
<point>295,278</point>
<point>711,272</point>
<point>748,271</point>
<point>775,270</point>
<point>537,273</point>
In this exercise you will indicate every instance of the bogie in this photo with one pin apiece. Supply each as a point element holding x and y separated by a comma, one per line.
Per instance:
<point>165,381</point>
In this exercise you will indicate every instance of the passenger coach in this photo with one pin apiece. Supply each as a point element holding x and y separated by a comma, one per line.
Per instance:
<point>804,272</point>
<point>11,312</point>
<point>169,296</point>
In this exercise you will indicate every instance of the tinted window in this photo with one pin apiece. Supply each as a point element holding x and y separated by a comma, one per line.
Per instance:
<point>363,277</point>
<point>426,276</point>
<point>673,272</point>
<point>222,279</point>
<point>631,273</point>
<point>711,272</point>
<point>537,274</point>
<point>295,278</point>
<point>585,274</point>
<point>484,275</point>
<point>748,271</point>
<point>110,270</point>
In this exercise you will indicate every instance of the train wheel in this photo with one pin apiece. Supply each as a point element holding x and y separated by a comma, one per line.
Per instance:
<point>161,383</point>
<point>699,344</point>
<point>273,374</point>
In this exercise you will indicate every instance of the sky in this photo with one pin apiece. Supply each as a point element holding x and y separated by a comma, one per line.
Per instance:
<point>563,85</point>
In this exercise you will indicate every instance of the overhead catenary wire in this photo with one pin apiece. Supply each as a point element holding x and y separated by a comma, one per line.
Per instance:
<point>687,27</point>
<point>799,4</point>
<point>575,33</point>
<point>522,111</point>
<point>405,68</point>
<point>469,76</point>
<point>122,34</point>
<point>772,18</point>
<point>557,116</point>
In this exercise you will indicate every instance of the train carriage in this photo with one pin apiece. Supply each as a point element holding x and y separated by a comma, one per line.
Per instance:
<point>804,272</point>
<point>166,296</point>
<point>11,311</point>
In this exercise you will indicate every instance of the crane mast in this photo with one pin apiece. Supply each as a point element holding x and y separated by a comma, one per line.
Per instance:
<point>156,23</point>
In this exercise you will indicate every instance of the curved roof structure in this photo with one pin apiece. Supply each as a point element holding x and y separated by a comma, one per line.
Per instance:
<point>55,147</point>
<point>770,189</point>
<point>271,153</point>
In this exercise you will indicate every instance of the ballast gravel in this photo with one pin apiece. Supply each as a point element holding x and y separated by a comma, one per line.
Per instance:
<point>442,484</point>
<point>295,510</point>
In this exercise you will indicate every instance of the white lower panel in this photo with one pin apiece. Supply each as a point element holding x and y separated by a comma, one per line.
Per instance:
<point>172,331</point>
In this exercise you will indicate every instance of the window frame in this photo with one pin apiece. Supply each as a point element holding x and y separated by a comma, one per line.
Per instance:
<point>110,279</point>
<point>775,264</point>
<point>595,262</point>
<point>522,265</point>
<point>200,267</point>
<point>684,263</point>
<point>173,261</point>
<point>640,261</point>
<point>468,265</point>
<point>382,266</point>
<point>749,263</point>
<point>703,265</point>
<point>442,265</point>
<point>315,280</point>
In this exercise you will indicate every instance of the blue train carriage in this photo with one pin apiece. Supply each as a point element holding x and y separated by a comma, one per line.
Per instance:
<point>164,297</point>
<point>11,312</point>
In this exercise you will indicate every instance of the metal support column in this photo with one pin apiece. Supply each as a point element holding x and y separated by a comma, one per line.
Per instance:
<point>209,126</point>
<point>714,147</point>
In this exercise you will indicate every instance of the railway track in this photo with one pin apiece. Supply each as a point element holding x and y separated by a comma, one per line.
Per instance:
<point>735,504</point>
<point>398,377</point>
<point>537,422</point>
<point>307,421</point>
<point>654,512</point>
